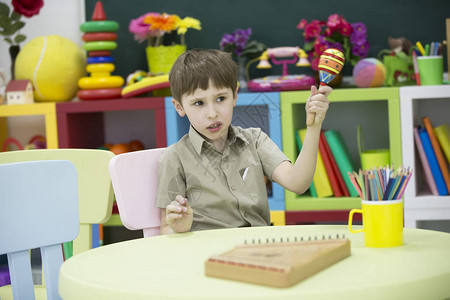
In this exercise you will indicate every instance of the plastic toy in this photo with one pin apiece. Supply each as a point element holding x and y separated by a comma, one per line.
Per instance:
<point>285,82</point>
<point>100,45</point>
<point>100,39</point>
<point>369,72</point>
<point>331,63</point>
<point>19,92</point>
<point>145,85</point>
<point>53,64</point>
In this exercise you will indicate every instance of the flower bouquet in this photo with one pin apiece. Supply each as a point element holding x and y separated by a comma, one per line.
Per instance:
<point>152,27</point>
<point>241,48</point>
<point>337,33</point>
<point>11,23</point>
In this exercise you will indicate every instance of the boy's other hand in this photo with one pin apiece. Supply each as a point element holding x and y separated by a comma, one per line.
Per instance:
<point>179,215</point>
<point>318,103</point>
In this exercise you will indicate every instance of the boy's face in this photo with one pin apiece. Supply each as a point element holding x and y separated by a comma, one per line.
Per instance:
<point>209,111</point>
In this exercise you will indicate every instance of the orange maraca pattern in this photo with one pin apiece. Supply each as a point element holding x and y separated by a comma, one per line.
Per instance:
<point>331,63</point>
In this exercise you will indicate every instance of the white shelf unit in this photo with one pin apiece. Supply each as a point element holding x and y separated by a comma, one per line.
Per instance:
<point>417,102</point>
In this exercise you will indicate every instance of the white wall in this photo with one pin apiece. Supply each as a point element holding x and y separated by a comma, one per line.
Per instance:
<point>60,17</point>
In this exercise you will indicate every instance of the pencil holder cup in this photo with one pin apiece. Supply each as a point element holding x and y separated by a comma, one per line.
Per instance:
<point>382,223</point>
<point>371,158</point>
<point>430,70</point>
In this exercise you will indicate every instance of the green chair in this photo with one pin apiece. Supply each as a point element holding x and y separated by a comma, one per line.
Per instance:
<point>95,192</point>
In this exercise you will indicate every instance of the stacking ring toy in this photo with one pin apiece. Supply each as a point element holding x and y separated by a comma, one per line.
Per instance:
<point>89,83</point>
<point>99,53</point>
<point>100,68</point>
<point>99,36</point>
<point>99,26</point>
<point>100,60</point>
<point>99,94</point>
<point>99,45</point>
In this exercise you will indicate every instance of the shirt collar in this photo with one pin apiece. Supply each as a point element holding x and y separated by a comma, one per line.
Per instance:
<point>197,140</point>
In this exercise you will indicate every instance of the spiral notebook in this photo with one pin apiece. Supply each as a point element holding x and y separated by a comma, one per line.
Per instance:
<point>277,264</point>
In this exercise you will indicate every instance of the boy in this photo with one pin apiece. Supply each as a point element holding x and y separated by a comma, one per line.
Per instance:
<point>214,176</point>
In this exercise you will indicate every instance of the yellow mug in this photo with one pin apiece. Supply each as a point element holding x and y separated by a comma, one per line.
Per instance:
<point>382,223</point>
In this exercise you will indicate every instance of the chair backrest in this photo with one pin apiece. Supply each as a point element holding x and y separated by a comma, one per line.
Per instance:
<point>134,177</point>
<point>94,185</point>
<point>39,209</point>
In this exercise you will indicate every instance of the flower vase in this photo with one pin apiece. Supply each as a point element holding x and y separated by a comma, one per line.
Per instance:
<point>160,60</point>
<point>13,52</point>
<point>242,78</point>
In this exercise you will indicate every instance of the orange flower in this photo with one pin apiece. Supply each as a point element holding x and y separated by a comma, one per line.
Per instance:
<point>162,22</point>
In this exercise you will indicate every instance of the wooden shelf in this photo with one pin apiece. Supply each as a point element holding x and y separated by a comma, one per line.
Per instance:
<point>82,124</point>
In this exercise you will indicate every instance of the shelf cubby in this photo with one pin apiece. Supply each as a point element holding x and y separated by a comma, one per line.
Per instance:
<point>417,102</point>
<point>377,110</point>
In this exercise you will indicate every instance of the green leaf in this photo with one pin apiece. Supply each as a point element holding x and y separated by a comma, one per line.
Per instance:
<point>9,40</point>
<point>253,49</point>
<point>16,26</point>
<point>308,46</point>
<point>15,16</point>
<point>4,9</point>
<point>5,22</point>
<point>19,38</point>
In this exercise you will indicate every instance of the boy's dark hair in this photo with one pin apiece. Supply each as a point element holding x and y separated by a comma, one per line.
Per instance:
<point>194,68</point>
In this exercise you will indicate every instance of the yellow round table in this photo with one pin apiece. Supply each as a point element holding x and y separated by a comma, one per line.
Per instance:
<point>172,267</point>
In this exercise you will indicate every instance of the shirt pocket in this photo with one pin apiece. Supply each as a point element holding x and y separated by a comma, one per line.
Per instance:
<point>255,184</point>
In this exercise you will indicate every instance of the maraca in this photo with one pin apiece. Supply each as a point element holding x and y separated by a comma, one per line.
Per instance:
<point>331,63</point>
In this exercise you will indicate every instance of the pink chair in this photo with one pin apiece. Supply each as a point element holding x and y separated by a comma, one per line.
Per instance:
<point>134,178</point>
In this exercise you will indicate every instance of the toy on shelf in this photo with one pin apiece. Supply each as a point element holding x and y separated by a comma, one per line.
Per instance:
<point>331,63</point>
<point>369,72</point>
<point>99,37</point>
<point>53,64</point>
<point>36,142</point>
<point>285,82</point>
<point>19,92</point>
<point>139,83</point>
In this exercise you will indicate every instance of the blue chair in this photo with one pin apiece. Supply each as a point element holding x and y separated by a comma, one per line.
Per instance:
<point>39,209</point>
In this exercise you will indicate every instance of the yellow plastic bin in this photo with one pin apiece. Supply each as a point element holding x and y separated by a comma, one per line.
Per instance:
<point>371,158</point>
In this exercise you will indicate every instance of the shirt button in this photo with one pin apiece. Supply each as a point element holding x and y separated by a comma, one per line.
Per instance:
<point>245,214</point>
<point>233,187</point>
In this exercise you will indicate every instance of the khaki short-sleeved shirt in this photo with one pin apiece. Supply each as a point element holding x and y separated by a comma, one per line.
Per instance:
<point>219,193</point>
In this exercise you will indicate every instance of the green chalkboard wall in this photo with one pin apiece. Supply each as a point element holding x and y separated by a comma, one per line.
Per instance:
<point>274,22</point>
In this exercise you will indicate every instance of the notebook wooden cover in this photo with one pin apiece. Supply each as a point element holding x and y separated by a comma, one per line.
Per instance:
<point>277,264</point>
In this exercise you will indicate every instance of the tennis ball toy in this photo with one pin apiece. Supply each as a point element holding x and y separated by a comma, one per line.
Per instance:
<point>54,65</point>
<point>369,72</point>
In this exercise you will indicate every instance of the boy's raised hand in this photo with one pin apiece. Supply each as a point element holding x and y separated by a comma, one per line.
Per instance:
<point>179,215</point>
<point>318,103</point>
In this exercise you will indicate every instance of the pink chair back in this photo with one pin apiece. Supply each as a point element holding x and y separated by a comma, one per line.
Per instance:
<point>134,177</point>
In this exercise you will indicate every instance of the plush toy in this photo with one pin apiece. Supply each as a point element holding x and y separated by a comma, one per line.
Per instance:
<point>53,64</point>
<point>369,72</point>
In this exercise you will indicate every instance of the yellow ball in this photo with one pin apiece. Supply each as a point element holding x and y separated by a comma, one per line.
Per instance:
<point>54,65</point>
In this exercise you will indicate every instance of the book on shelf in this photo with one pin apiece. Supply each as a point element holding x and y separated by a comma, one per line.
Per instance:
<point>432,160</point>
<point>312,189</point>
<point>343,158</point>
<point>425,165</point>
<point>279,264</point>
<point>335,167</point>
<point>320,179</point>
<point>332,176</point>
<point>443,135</point>
<point>438,152</point>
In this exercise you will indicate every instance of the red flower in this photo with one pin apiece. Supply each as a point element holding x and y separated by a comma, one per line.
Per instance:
<point>312,30</point>
<point>28,8</point>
